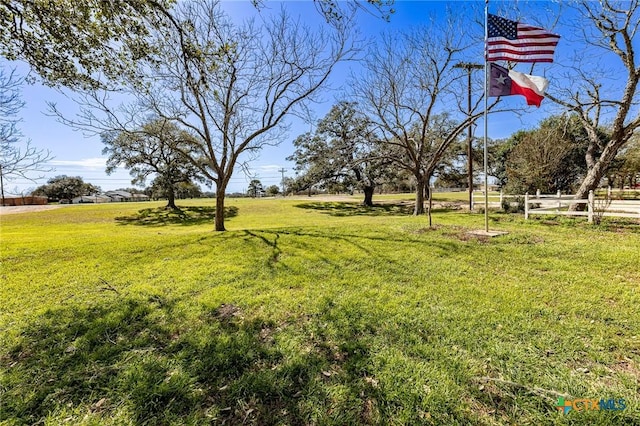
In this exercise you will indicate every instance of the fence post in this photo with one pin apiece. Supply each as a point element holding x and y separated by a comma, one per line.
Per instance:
<point>501,198</point>
<point>526,206</point>
<point>472,200</point>
<point>559,200</point>
<point>609,192</point>
<point>590,206</point>
<point>537,193</point>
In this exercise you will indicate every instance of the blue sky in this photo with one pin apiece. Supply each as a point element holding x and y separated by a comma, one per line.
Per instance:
<point>77,155</point>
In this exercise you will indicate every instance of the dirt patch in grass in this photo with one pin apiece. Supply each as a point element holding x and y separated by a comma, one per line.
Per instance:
<point>627,366</point>
<point>227,312</point>
<point>27,209</point>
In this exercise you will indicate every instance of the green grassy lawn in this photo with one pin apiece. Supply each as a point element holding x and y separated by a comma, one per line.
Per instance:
<point>314,312</point>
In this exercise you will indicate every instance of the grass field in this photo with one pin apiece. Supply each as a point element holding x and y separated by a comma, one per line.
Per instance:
<point>312,312</point>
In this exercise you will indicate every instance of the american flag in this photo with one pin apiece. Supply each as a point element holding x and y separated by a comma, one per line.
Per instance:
<point>513,41</point>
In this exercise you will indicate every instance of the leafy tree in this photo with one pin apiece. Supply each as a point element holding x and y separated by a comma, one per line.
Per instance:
<point>158,148</point>
<point>18,158</point>
<point>188,190</point>
<point>625,170</point>
<point>66,187</point>
<point>131,190</point>
<point>610,29</point>
<point>549,158</point>
<point>451,178</point>
<point>452,171</point>
<point>71,43</point>
<point>298,184</point>
<point>181,190</point>
<point>255,188</point>
<point>272,190</point>
<point>497,152</point>
<point>343,151</point>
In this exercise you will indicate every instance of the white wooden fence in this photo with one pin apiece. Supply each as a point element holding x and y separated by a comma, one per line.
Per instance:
<point>558,204</point>
<point>596,207</point>
<point>494,199</point>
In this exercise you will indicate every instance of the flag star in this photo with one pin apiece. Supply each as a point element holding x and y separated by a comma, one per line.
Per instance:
<point>501,80</point>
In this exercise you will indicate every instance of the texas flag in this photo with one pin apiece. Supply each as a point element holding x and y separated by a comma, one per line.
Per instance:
<point>504,82</point>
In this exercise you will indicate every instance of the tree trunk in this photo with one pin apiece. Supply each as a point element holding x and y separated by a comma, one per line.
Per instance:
<point>171,199</point>
<point>428,195</point>
<point>219,219</point>
<point>368,196</point>
<point>420,186</point>
<point>595,173</point>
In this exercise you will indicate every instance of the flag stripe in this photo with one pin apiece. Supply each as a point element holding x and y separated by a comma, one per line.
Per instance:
<point>531,96</point>
<point>518,53</point>
<point>528,58</point>
<point>512,41</point>
<point>515,55</point>
<point>504,82</point>
<point>537,84</point>
<point>524,43</point>
<point>507,48</point>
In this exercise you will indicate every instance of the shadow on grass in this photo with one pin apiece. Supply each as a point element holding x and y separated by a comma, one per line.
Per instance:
<point>276,251</point>
<point>183,216</point>
<point>137,361</point>
<point>151,362</point>
<point>357,209</point>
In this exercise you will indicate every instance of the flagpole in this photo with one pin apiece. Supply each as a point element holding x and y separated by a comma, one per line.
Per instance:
<point>486,106</point>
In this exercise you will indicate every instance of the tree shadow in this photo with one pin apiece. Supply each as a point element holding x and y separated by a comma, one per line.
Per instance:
<point>145,362</point>
<point>356,209</point>
<point>162,216</point>
<point>276,251</point>
<point>148,360</point>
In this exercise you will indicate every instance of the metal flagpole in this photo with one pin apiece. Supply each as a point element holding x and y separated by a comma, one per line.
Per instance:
<point>486,106</point>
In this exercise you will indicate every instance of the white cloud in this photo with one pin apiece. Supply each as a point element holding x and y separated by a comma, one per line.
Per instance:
<point>85,163</point>
<point>268,168</point>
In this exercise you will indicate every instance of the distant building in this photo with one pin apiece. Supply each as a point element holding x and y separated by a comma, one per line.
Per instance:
<point>140,197</point>
<point>119,196</point>
<point>110,197</point>
<point>26,200</point>
<point>97,198</point>
<point>125,196</point>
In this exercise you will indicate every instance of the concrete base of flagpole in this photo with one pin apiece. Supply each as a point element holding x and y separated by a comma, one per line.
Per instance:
<point>483,233</point>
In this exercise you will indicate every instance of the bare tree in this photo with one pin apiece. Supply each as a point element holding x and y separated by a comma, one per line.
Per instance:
<point>605,100</point>
<point>414,95</point>
<point>75,43</point>
<point>230,86</point>
<point>334,10</point>
<point>18,158</point>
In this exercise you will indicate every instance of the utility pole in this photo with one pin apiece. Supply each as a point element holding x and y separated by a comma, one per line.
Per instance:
<point>469,67</point>
<point>282,170</point>
<point>1,186</point>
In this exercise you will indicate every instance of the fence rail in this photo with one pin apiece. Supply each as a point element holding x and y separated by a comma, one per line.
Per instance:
<point>494,199</point>
<point>559,204</point>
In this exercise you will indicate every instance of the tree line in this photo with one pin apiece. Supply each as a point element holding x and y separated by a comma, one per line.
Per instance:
<point>65,188</point>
